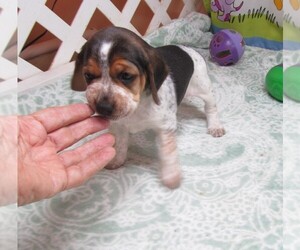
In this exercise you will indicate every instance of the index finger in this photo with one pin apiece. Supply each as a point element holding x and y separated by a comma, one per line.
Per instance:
<point>57,117</point>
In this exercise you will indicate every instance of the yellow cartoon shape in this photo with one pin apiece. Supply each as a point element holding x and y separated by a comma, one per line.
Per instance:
<point>295,4</point>
<point>278,4</point>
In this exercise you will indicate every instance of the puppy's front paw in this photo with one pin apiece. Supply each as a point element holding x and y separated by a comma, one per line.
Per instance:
<point>171,179</point>
<point>216,131</point>
<point>115,164</point>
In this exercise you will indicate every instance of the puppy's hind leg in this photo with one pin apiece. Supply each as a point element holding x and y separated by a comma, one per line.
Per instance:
<point>200,86</point>
<point>214,125</point>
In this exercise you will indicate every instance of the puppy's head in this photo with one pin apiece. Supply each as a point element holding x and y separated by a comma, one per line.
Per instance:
<point>115,67</point>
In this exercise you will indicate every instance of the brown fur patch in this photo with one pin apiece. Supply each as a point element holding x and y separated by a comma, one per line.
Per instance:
<point>92,67</point>
<point>137,86</point>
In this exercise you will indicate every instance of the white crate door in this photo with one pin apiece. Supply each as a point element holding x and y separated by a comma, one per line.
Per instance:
<point>70,37</point>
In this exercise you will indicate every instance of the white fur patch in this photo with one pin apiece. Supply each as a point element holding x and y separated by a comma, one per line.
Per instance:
<point>104,50</point>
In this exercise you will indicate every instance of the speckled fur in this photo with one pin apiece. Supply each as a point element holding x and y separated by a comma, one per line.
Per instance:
<point>147,99</point>
<point>162,119</point>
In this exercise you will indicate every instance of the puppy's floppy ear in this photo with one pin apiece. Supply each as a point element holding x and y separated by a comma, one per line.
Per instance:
<point>78,82</point>
<point>157,72</point>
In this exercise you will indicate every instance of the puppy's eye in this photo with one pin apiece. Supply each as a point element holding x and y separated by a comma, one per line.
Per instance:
<point>126,78</point>
<point>89,77</point>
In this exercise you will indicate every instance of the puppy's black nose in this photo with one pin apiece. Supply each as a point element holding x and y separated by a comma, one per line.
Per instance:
<point>104,108</point>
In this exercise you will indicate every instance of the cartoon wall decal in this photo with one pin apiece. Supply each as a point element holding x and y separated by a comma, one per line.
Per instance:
<point>295,4</point>
<point>259,22</point>
<point>278,4</point>
<point>224,8</point>
<point>291,24</point>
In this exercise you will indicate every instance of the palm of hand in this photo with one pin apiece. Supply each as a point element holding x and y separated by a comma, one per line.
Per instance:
<point>44,169</point>
<point>40,162</point>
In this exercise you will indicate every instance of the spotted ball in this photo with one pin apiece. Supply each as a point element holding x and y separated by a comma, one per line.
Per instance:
<point>227,47</point>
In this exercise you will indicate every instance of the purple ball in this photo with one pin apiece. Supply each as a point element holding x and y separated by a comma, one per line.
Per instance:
<point>226,47</point>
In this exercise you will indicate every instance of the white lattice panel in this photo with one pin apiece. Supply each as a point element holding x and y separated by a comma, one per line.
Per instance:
<point>71,36</point>
<point>8,26</point>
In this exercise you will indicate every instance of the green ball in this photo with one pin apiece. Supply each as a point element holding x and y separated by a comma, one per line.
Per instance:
<point>292,82</point>
<point>274,82</point>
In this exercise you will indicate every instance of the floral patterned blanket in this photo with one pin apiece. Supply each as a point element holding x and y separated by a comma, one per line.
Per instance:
<point>231,196</point>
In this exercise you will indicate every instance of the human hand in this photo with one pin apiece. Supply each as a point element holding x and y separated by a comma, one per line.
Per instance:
<point>43,170</point>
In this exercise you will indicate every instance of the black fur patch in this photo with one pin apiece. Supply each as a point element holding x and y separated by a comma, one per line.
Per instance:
<point>181,68</point>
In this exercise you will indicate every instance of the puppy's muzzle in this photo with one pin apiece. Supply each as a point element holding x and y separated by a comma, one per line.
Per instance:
<point>104,108</point>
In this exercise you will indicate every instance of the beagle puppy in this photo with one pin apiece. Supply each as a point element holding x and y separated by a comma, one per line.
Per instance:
<point>138,87</point>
